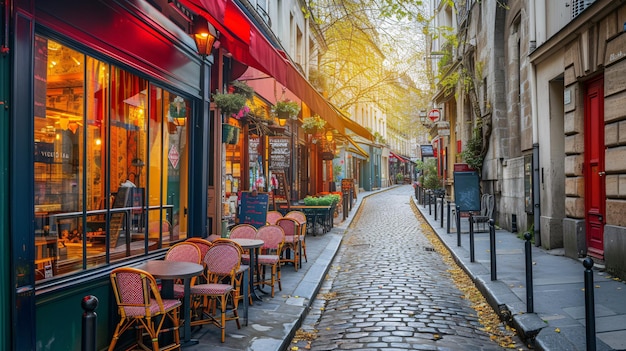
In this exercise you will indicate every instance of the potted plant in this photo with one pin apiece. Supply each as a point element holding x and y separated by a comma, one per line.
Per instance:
<point>286,109</point>
<point>313,124</point>
<point>233,102</point>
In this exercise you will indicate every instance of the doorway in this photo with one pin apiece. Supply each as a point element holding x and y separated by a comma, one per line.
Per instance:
<point>595,190</point>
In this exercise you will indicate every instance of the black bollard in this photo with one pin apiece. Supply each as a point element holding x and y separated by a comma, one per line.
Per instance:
<point>471,235</point>
<point>448,219</point>
<point>441,216</point>
<point>492,248</point>
<point>430,208</point>
<point>590,313</point>
<point>436,201</point>
<point>458,226</point>
<point>89,304</point>
<point>529,275</point>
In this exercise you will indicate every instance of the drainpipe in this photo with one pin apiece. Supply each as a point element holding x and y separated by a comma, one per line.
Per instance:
<point>535,123</point>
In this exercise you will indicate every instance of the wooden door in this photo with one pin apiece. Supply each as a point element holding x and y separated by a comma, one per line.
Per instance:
<point>595,191</point>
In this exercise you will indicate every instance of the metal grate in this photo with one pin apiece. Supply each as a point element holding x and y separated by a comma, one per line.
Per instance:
<point>578,6</point>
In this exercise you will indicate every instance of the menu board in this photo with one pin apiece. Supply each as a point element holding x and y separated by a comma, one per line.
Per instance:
<point>253,209</point>
<point>280,152</point>
<point>466,191</point>
<point>281,188</point>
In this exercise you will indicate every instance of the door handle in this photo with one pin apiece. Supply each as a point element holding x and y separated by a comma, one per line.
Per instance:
<point>601,174</point>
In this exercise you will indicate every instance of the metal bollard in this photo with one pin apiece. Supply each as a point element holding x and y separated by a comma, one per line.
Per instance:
<point>441,216</point>
<point>436,201</point>
<point>448,219</point>
<point>492,248</point>
<point>471,235</point>
<point>590,314</point>
<point>529,274</point>
<point>430,208</point>
<point>458,226</point>
<point>89,304</point>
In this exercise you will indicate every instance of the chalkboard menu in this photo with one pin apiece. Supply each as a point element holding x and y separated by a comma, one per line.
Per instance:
<point>281,189</point>
<point>280,152</point>
<point>466,191</point>
<point>253,209</point>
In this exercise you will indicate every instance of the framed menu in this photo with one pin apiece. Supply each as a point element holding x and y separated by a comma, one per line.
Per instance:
<point>279,153</point>
<point>253,208</point>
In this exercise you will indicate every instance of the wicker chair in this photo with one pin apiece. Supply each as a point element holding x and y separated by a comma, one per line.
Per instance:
<point>291,228</point>
<point>222,262</point>
<point>140,305</point>
<point>301,218</point>
<point>273,237</point>
<point>183,252</point>
<point>204,245</point>
<point>237,283</point>
<point>243,231</point>
<point>273,216</point>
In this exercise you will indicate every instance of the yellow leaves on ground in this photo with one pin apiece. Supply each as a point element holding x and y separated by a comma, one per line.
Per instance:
<point>557,330</point>
<point>304,335</point>
<point>498,331</point>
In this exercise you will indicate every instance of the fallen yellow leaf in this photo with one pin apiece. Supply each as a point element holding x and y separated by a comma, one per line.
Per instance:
<point>557,330</point>
<point>295,348</point>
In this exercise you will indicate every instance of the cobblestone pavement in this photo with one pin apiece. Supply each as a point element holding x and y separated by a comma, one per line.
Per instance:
<point>388,290</point>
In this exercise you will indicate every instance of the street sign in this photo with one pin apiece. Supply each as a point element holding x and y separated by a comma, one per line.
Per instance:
<point>434,115</point>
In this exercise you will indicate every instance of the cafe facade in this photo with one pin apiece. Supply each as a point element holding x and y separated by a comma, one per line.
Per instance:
<point>109,143</point>
<point>113,150</point>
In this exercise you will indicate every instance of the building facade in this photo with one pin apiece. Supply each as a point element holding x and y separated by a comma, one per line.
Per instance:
<point>545,96</point>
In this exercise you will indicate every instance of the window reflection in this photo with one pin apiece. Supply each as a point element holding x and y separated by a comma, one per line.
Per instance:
<point>110,162</point>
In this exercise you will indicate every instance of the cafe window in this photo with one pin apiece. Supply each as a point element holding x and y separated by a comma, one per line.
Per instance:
<point>110,162</point>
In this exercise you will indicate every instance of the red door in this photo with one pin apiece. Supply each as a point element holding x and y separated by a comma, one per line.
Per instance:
<point>595,192</point>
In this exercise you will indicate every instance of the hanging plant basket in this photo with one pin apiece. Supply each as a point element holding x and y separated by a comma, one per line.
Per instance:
<point>313,125</point>
<point>285,109</point>
<point>230,134</point>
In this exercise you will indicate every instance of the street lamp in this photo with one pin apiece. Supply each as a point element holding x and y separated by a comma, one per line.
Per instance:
<point>203,34</point>
<point>423,116</point>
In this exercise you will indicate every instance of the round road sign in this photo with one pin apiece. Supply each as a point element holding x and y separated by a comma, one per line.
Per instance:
<point>434,115</point>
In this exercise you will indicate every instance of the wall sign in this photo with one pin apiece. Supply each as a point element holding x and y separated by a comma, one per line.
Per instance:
<point>280,152</point>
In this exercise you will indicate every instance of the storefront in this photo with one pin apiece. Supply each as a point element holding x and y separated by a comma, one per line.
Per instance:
<point>109,156</point>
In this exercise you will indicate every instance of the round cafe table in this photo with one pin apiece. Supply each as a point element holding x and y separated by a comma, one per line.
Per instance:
<point>168,271</point>
<point>252,245</point>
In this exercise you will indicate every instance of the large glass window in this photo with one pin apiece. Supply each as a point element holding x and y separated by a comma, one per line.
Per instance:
<point>110,162</point>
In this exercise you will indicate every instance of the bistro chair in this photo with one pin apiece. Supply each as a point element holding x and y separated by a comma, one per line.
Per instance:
<point>291,228</point>
<point>273,216</point>
<point>273,237</point>
<point>222,262</point>
<point>183,252</point>
<point>203,245</point>
<point>237,283</point>
<point>243,231</point>
<point>140,305</point>
<point>213,237</point>
<point>301,218</point>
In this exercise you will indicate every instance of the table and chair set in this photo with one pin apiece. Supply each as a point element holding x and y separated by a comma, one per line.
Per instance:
<point>202,282</point>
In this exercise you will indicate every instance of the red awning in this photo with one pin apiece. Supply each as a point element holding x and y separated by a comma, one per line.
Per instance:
<point>397,157</point>
<point>247,44</point>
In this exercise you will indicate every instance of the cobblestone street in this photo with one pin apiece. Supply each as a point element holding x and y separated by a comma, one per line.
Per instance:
<point>389,290</point>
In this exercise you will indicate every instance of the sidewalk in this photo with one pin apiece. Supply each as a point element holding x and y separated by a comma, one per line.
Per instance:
<point>273,322</point>
<point>558,321</point>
